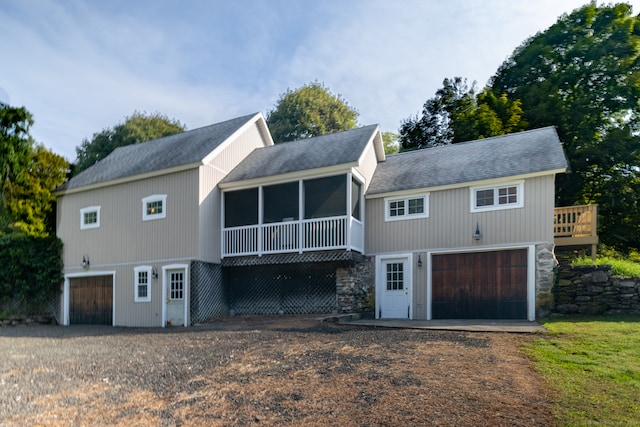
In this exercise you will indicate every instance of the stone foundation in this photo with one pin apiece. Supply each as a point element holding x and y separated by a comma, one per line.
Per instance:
<point>546,264</point>
<point>355,287</point>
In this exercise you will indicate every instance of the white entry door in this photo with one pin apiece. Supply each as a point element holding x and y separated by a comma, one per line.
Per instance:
<point>175,297</point>
<point>394,287</point>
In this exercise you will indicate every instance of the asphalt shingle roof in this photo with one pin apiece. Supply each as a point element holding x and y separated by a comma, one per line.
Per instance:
<point>164,153</point>
<point>312,153</point>
<point>498,157</point>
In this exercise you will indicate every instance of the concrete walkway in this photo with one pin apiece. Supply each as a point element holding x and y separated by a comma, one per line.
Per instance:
<point>481,325</point>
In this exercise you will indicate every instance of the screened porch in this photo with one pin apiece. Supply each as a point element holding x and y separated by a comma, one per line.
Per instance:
<point>299,216</point>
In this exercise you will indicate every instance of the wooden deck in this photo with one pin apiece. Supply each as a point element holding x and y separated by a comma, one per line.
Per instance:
<point>576,226</point>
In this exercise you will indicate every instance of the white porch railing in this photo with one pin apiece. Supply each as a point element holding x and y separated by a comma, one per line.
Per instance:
<point>293,236</point>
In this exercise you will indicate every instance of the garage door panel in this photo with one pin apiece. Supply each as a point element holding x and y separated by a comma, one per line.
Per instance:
<point>480,285</point>
<point>91,300</point>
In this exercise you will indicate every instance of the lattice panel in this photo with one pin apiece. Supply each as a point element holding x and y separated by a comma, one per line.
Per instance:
<point>286,289</point>
<point>207,292</point>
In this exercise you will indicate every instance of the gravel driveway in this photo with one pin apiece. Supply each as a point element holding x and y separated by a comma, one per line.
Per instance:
<point>266,371</point>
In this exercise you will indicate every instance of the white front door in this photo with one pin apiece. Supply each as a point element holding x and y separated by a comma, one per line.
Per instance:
<point>175,297</point>
<point>394,289</point>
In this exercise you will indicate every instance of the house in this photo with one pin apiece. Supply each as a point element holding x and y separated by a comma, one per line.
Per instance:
<point>141,229</point>
<point>219,220</point>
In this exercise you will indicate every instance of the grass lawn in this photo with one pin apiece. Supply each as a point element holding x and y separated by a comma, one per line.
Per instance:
<point>593,364</point>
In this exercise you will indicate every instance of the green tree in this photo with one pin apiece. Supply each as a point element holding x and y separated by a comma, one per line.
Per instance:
<point>136,128</point>
<point>311,110</point>
<point>15,146</point>
<point>582,75</point>
<point>32,203</point>
<point>457,113</point>
<point>390,142</point>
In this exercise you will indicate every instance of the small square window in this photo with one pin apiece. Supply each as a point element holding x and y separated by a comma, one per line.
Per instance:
<point>484,198</point>
<point>90,217</point>
<point>154,207</point>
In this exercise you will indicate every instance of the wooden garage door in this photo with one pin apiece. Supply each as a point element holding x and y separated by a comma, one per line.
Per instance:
<point>480,285</point>
<point>91,300</point>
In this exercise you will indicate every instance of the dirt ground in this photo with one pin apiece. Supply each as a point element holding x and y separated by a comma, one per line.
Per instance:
<point>272,371</point>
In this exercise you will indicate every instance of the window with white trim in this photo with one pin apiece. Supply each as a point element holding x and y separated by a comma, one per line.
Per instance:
<point>503,196</point>
<point>90,217</point>
<point>142,284</point>
<point>406,207</point>
<point>154,207</point>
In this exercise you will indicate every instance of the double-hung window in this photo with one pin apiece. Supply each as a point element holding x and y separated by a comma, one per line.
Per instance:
<point>409,207</point>
<point>90,217</point>
<point>154,207</point>
<point>142,284</point>
<point>502,196</point>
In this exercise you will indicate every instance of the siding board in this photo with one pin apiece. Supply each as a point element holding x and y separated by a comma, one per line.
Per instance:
<point>451,224</point>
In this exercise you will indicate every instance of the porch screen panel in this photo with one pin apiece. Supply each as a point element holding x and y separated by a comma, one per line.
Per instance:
<point>325,197</point>
<point>241,207</point>
<point>356,189</point>
<point>280,202</point>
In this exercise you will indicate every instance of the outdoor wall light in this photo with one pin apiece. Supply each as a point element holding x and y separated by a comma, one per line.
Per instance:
<point>85,261</point>
<point>154,273</point>
<point>419,261</point>
<point>477,235</point>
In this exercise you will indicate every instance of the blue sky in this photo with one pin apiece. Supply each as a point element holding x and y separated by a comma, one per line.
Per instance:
<point>82,66</point>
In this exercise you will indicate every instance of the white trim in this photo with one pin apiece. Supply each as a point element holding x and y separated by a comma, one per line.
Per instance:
<point>289,177</point>
<point>404,257</point>
<point>150,199</point>
<point>519,184</point>
<point>258,120</point>
<point>187,296</point>
<point>461,184</point>
<point>136,271</point>
<point>89,209</point>
<point>406,215</point>
<point>66,291</point>
<point>531,273</point>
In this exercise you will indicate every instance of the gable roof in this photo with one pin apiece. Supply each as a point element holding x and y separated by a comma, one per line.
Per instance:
<point>522,153</point>
<point>305,154</point>
<point>179,150</point>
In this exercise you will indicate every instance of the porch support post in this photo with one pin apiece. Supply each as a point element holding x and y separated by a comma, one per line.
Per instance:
<point>260,214</point>
<point>348,213</point>
<point>300,215</point>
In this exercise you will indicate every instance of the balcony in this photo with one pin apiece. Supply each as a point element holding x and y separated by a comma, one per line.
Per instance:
<point>339,232</point>
<point>576,226</point>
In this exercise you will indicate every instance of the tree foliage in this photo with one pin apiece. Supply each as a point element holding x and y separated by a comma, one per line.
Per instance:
<point>311,110</point>
<point>15,146</point>
<point>32,203</point>
<point>582,75</point>
<point>390,142</point>
<point>137,128</point>
<point>457,113</point>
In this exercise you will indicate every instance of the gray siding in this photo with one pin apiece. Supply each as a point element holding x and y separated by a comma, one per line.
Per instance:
<point>367,166</point>
<point>451,224</point>
<point>123,237</point>
<point>209,198</point>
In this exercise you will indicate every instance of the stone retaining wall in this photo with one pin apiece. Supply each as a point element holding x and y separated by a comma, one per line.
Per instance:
<point>593,289</point>
<point>26,320</point>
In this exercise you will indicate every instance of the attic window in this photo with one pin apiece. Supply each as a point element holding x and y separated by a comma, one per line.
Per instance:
<point>154,207</point>
<point>90,217</point>
<point>408,207</point>
<point>503,196</point>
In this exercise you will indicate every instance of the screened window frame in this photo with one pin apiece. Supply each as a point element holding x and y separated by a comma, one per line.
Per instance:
<point>495,188</point>
<point>394,202</point>
<point>137,284</point>
<point>88,210</point>
<point>162,198</point>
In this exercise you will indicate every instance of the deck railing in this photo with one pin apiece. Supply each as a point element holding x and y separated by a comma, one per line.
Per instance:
<point>576,221</point>
<point>294,236</point>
